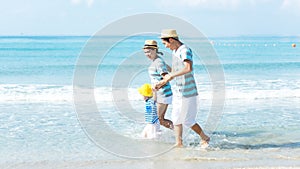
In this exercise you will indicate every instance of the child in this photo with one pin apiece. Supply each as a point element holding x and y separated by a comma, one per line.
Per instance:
<point>157,70</point>
<point>152,128</point>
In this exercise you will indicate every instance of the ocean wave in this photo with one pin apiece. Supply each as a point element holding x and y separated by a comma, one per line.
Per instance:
<point>61,93</point>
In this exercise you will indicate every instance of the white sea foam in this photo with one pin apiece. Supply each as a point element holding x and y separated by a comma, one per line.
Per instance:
<point>34,93</point>
<point>56,93</point>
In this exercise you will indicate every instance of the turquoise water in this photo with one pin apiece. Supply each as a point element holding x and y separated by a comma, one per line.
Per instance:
<point>39,120</point>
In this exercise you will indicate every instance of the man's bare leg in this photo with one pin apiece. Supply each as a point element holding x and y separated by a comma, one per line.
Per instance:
<point>205,139</point>
<point>178,135</point>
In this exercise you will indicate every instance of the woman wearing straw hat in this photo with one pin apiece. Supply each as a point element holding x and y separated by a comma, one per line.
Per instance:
<point>185,96</point>
<point>157,70</point>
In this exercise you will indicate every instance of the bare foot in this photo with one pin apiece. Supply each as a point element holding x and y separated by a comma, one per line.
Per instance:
<point>207,139</point>
<point>167,123</point>
<point>205,143</point>
<point>171,126</point>
<point>178,145</point>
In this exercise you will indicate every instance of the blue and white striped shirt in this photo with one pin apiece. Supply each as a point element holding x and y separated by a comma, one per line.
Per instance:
<point>186,84</point>
<point>157,68</point>
<point>151,112</point>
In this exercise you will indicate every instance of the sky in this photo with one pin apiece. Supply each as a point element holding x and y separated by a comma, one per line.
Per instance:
<point>211,17</point>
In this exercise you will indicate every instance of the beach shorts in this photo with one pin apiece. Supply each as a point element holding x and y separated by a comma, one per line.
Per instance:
<point>184,110</point>
<point>164,100</point>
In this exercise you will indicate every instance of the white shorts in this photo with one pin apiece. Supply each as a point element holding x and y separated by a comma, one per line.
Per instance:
<point>164,100</point>
<point>184,110</point>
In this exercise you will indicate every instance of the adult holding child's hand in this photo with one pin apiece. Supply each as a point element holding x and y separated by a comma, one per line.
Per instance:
<point>185,96</point>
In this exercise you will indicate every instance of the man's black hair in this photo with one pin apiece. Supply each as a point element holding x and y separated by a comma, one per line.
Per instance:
<point>168,39</point>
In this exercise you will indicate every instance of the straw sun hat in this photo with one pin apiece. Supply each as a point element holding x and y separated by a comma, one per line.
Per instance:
<point>150,44</point>
<point>168,33</point>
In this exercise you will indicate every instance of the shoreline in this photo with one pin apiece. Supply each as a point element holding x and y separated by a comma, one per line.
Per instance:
<point>178,158</point>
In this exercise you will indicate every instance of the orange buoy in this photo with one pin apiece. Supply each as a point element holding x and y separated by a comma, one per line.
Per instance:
<point>294,45</point>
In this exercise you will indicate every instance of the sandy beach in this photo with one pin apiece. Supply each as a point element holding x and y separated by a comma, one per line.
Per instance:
<point>138,165</point>
<point>180,159</point>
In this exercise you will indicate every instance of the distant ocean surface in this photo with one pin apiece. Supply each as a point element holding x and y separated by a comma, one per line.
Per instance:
<point>38,120</point>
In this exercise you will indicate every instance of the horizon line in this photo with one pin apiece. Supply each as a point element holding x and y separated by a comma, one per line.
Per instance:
<point>85,35</point>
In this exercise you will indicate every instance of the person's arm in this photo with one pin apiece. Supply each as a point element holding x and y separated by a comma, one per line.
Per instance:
<point>154,95</point>
<point>162,67</point>
<point>188,67</point>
